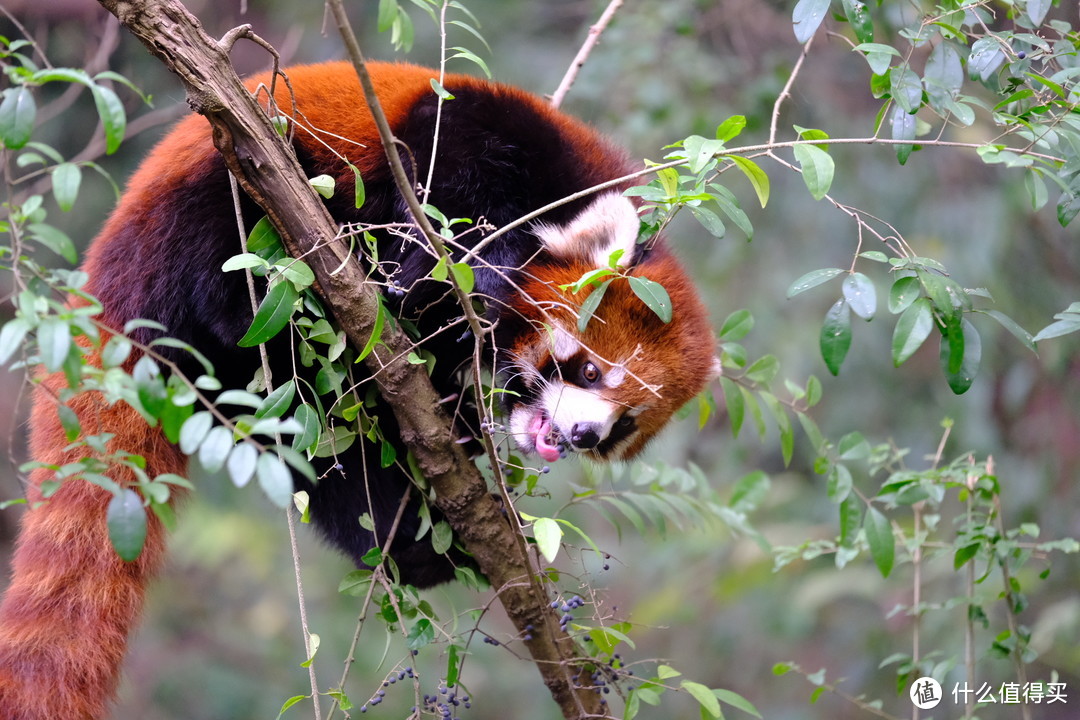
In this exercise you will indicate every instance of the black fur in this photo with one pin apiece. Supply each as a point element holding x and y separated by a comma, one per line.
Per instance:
<point>497,160</point>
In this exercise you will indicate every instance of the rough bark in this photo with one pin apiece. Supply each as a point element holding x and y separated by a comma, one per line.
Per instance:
<point>269,173</point>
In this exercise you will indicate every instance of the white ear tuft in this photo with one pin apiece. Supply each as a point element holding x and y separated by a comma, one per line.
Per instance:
<point>608,224</point>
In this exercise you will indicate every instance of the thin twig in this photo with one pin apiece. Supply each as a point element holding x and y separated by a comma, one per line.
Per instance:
<point>785,93</point>
<point>583,53</point>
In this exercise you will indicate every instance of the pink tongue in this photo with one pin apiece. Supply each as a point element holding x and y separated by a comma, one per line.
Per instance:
<point>540,428</point>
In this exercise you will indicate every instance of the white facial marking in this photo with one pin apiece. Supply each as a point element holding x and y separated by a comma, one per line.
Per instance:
<point>614,377</point>
<point>567,405</point>
<point>610,223</point>
<point>564,344</point>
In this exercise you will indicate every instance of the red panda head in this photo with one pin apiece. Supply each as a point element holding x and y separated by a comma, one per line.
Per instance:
<point>607,391</point>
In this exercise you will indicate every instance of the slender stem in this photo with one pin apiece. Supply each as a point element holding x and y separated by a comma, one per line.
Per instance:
<point>290,520</point>
<point>583,52</point>
<point>303,612</point>
<point>785,93</point>
<point>1010,605</point>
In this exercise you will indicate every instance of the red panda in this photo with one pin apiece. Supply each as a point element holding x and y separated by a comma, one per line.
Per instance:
<point>603,392</point>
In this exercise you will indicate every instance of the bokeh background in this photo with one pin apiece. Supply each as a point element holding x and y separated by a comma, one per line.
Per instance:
<point>221,637</point>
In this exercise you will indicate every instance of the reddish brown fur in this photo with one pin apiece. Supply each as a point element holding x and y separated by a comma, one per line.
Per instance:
<point>72,602</point>
<point>625,330</point>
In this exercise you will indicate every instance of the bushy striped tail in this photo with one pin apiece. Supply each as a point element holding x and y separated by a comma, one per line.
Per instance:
<point>72,601</point>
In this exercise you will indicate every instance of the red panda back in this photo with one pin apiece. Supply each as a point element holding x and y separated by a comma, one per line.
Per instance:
<point>65,617</point>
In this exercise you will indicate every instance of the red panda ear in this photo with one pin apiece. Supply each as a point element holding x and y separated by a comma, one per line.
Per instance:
<point>608,224</point>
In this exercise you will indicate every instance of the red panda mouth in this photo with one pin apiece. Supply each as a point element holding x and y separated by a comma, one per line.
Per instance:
<point>545,439</point>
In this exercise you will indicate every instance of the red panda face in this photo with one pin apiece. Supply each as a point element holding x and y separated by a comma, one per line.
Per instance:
<point>606,391</point>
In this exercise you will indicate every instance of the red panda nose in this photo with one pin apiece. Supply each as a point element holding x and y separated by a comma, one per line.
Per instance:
<point>584,435</point>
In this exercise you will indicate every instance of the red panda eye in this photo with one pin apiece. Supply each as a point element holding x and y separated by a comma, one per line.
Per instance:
<point>625,421</point>
<point>590,373</point>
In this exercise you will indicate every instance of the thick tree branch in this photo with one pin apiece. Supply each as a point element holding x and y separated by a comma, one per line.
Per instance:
<point>269,173</point>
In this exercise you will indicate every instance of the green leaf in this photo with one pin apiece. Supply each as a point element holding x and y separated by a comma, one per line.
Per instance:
<point>757,177</point>
<point>388,12</point>
<point>736,326</point>
<point>700,151</point>
<point>961,376</point>
<point>709,220</point>
<point>126,521</point>
<point>903,292</point>
<point>733,400</point>
<point>65,182</point>
<point>215,448</point>
<point>860,295</point>
<point>463,275</point>
<point>359,192</point>
<point>811,280</point>
<point>912,329</point>
<point>442,537</point>
<point>17,114</point>
<point>653,295</point>
<point>54,239</point>
<point>113,117</point>
<point>1068,205</point>
<point>737,701</point>
<point>278,402</point>
<point>985,58</point>
<point>309,420</point>
<point>273,314</point>
<point>590,304</point>
<point>241,464</point>
<point>943,76</point>
<point>903,128</point>
<point>839,483</point>
<point>729,205</point>
<point>1012,326</point>
<point>263,237</point>
<point>878,56</point>
<point>274,479</point>
<point>194,431</point>
<point>1036,188</point>
<point>1036,11</point>
<point>323,184</point>
<point>730,128</point>
<point>11,337</point>
<point>879,537</point>
<point>836,336</point>
<point>54,342</point>
<point>750,491</point>
<point>763,370</point>
<point>906,88</point>
<point>807,16</point>
<point>548,535</point>
<point>859,19</point>
<point>244,261</point>
<point>817,169</point>
<point>709,702</point>
<point>963,554</point>
<point>849,520</point>
<point>420,635</point>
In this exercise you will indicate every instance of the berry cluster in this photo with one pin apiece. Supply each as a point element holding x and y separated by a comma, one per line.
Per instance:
<point>601,677</point>
<point>446,703</point>
<point>565,607</point>
<point>391,679</point>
